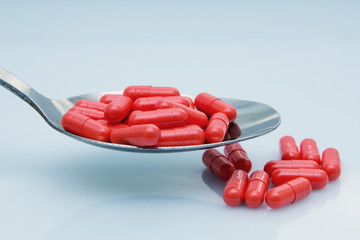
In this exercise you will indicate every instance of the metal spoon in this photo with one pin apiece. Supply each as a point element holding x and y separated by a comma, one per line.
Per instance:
<point>254,119</point>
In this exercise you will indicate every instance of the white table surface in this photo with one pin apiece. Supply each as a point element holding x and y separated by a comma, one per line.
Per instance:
<point>300,58</point>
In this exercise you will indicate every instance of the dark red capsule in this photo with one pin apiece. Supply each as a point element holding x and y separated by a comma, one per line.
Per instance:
<point>118,109</point>
<point>84,126</point>
<point>237,156</point>
<point>235,188</point>
<point>210,105</point>
<point>217,127</point>
<point>288,148</point>
<point>331,163</point>
<point>309,150</point>
<point>218,164</point>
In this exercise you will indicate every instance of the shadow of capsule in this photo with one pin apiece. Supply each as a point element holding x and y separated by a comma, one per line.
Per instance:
<point>213,182</point>
<point>233,132</point>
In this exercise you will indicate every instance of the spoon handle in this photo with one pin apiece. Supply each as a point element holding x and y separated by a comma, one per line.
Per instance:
<point>36,100</point>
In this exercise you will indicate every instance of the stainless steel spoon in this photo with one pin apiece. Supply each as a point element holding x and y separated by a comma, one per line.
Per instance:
<point>254,119</point>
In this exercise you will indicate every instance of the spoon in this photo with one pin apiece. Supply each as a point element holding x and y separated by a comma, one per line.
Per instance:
<point>253,118</point>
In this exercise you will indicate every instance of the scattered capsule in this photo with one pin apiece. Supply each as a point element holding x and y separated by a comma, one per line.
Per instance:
<point>217,127</point>
<point>148,103</point>
<point>317,177</point>
<point>91,104</point>
<point>118,109</point>
<point>271,166</point>
<point>137,135</point>
<point>181,136</point>
<point>331,163</point>
<point>235,188</point>
<point>163,118</point>
<point>210,105</point>
<point>193,116</point>
<point>237,156</point>
<point>288,193</point>
<point>85,126</point>
<point>309,150</point>
<point>257,186</point>
<point>108,98</point>
<point>288,148</point>
<point>135,92</point>
<point>88,112</point>
<point>218,164</point>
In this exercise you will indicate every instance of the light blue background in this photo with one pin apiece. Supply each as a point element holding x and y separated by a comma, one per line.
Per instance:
<point>302,58</point>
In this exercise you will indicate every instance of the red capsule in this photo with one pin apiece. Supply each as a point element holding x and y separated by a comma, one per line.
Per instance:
<point>271,166</point>
<point>317,177</point>
<point>118,109</point>
<point>257,186</point>
<point>210,105</point>
<point>331,163</point>
<point>233,132</point>
<point>193,116</point>
<point>108,98</point>
<point>136,92</point>
<point>288,193</point>
<point>218,164</point>
<point>181,136</point>
<point>84,126</point>
<point>237,156</point>
<point>148,103</point>
<point>163,118</point>
<point>235,188</point>
<point>88,112</point>
<point>91,104</point>
<point>309,150</point>
<point>288,148</point>
<point>137,135</point>
<point>217,127</point>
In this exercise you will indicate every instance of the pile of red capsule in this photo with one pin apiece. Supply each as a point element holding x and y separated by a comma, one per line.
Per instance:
<point>147,116</point>
<point>294,176</point>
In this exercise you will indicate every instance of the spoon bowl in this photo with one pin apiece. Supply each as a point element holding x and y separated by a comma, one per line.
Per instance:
<point>253,118</point>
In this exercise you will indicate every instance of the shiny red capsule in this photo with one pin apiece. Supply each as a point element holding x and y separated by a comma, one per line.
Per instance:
<point>148,103</point>
<point>218,164</point>
<point>193,116</point>
<point>108,98</point>
<point>91,104</point>
<point>235,188</point>
<point>331,163</point>
<point>163,118</point>
<point>309,150</point>
<point>118,109</point>
<point>210,105</point>
<point>135,92</point>
<point>288,193</point>
<point>271,166</point>
<point>288,148</point>
<point>85,126</point>
<point>181,136</point>
<point>88,112</point>
<point>257,186</point>
<point>137,135</point>
<point>317,177</point>
<point>237,156</point>
<point>217,127</point>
